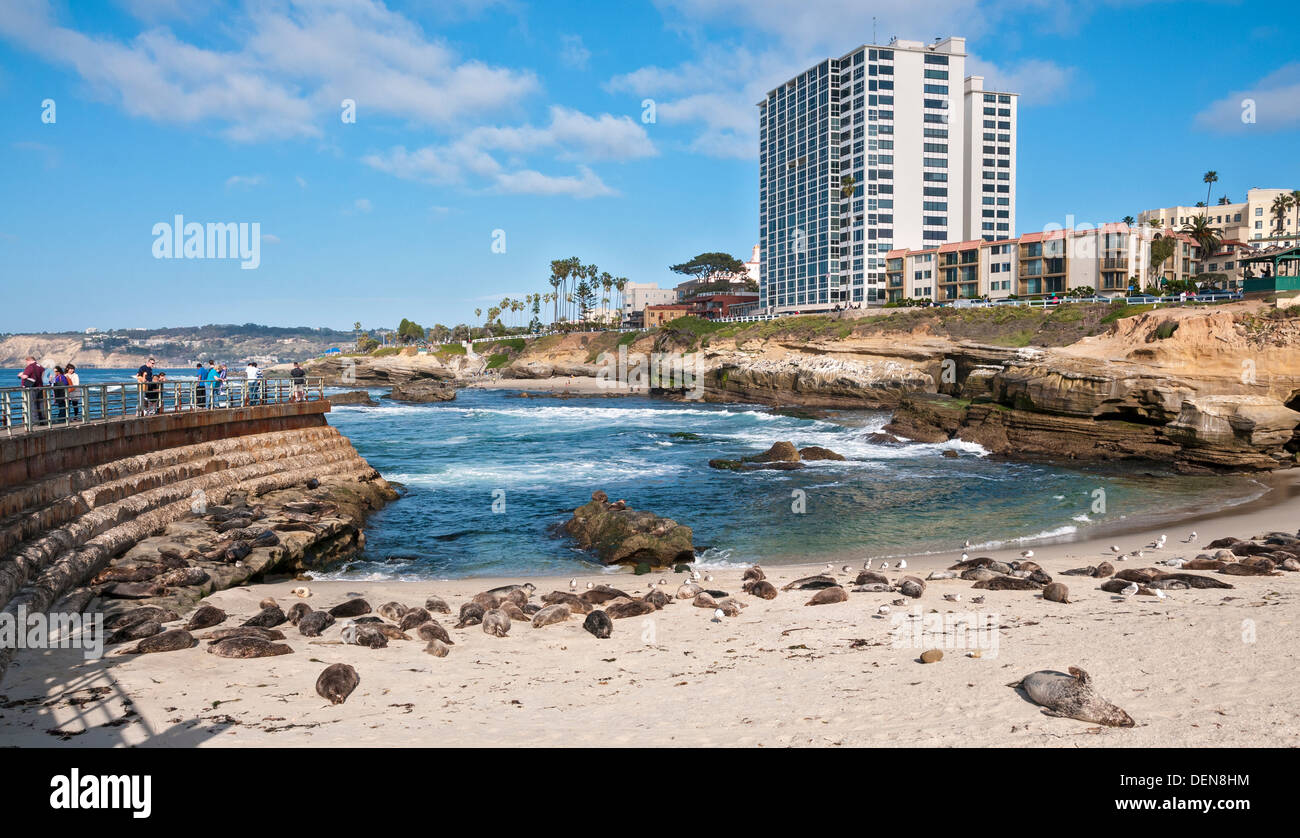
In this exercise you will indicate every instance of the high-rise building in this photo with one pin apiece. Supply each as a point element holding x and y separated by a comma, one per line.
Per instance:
<point>869,152</point>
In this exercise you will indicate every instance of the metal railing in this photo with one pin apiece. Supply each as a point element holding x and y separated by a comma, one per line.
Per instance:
<point>27,409</point>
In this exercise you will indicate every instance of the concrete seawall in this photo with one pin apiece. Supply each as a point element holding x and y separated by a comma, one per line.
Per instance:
<point>108,516</point>
<point>34,455</point>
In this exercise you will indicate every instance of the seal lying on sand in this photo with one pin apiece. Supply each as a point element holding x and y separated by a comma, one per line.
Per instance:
<point>437,605</point>
<point>826,596</point>
<point>551,614</point>
<point>496,623</point>
<point>1071,697</point>
<point>471,614</point>
<point>311,625</point>
<point>135,631</point>
<point>433,630</point>
<point>599,624</point>
<point>247,647</point>
<point>760,588</point>
<point>269,617</point>
<point>169,641</point>
<point>351,608</point>
<point>337,682</point>
<point>808,583</point>
<point>217,635</point>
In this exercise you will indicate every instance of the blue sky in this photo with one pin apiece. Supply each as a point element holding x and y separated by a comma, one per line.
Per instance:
<point>480,115</point>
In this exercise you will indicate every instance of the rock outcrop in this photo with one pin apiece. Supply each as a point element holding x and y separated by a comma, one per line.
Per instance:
<point>618,534</point>
<point>361,397</point>
<point>423,392</point>
<point>782,456</point>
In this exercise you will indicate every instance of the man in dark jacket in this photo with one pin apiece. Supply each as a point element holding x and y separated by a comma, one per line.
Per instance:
<point>33,376</point>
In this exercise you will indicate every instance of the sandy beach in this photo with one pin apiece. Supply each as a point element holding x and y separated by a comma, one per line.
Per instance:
<point>1198,668</point>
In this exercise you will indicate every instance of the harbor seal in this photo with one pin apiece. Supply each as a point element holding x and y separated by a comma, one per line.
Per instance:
<point>269,617</point>
<point>761,588</point>
<point>414,617</point>
<point>337,682</point>
<point>394,611</point>
<point>871,577</point>
<point>754,573</point>
<point>912,586</point>
<point>471,614</point>
<point>514,612</point>
<point>688,591</point>
<point>437,605</point>
<point>169,641</point>
<point>135,631</point>
<point>496,623</point>
<point>218,635</point>
<point>577,604</point>
<point>1056,592</point>
<point>599,624</point>
<point>139,615</point>
<point>603,593</point>
<point>366,634</point>
<point>1071,697</point>
<point>634,608</point>
<point>808,583</point>
<point>390,631</point>
<point>205,616</point>
<point>311,625</point>
<point>437,648</point>
<point>247,647</point>
<point>297,611</point>
<point>351,608</point>
<point>827,596</point>
<point>433,630</point>
<point>1007,583</point>
<point>550,615</point>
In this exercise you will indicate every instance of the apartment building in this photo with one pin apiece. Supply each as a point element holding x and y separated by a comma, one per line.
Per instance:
<point>1109,259</point>
<point>869,152</point>
<point>1249,221</point>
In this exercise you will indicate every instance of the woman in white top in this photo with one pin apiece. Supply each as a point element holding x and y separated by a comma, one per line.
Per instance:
<point>74,392</point>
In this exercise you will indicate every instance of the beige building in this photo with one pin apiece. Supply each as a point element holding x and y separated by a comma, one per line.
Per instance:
<point>656,316</point>
<point>1108,259</point>
<point>1250,221</point>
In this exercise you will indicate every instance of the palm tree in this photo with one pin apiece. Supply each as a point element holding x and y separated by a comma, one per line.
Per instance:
<point>1281,206</point>
<point>1128,219</point>
<point>1210,178</point>
<point>1295,202</point>
<point>557,276</point>
<point>1223,201</point>
<point>1207,238</point>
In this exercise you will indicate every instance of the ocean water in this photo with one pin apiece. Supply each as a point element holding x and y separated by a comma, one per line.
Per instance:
<point>489,476</point>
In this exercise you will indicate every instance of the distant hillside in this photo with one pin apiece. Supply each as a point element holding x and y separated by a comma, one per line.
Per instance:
<point>177,346</point>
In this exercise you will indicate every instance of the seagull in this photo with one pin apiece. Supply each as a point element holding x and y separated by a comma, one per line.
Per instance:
<point>829,569</point>
<point>695,576</point>
<point>884,609</point>
<point>708,577</point>
<point>1114,548</point>
<point>846,569</point>
<point>1139,554</point>
<point>866,565</point>
<point>591,585</point>
<point>573,584</point>
<point>966,546</point>
<point>884,565</point>
<point>718,615</point>
<point>978,600</point>
<point>1190,538</point>
<point>1028,554</point>
<point>1121,557</point>
<point>663,582</point>
<point>302,593</point>
<point>902,564</point>
<point>1130,589</point>
<point>965,556</point>
<point>1160,593</point>
<point>952,597</point>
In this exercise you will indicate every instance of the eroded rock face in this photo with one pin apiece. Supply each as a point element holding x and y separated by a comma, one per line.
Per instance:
<point>353,397</point>
<point>619,534</point>
<point>1250,421</point>
<point>422,392</point>
<point>782,456</point>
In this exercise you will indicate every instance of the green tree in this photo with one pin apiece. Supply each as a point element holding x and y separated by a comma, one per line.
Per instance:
<point>706,265</point>
<point>1281,206</point>
<point>1128,219</point>
<point>1162,247</point>
<point>1208,238</point>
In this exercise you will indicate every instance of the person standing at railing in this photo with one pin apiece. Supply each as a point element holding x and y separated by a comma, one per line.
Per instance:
<point>218,378</point>
<point>59,392</point>
<point>33,378</point>
<point>74,391</point>
<point>144,399</point>
<point>299,377</point>
<point>254,375</point>
<point>201,388</point>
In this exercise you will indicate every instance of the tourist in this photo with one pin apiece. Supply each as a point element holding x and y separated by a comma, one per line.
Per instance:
<point>144,386</point>
<point>219,385</point>
<point>59,392</point>
<point>74,393</point>
<point>253,385</point>
<point>299,377</point>
<point>200,389</point>
<point>209,386</point>
<point>33,377</point>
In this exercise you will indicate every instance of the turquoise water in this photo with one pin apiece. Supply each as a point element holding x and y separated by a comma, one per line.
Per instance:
<point>488,477</point>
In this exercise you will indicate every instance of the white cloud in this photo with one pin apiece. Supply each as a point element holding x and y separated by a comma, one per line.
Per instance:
<point>294,65</point>
<point>573,53</point>
<point>1276,103</point>
<point>245,181</point>
<point>571,135</point>
<point>363,205</point>
<point>1038,81</point>
<point>302,183</point>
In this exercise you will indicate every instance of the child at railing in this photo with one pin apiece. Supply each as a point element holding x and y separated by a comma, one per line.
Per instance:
<point>74,391</point>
